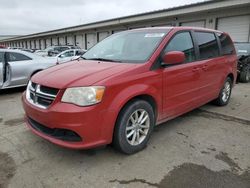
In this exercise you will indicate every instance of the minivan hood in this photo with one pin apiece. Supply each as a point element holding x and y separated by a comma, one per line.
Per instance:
<point>82,73</point>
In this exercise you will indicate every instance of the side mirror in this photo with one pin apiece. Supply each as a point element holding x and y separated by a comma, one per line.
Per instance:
<point>75,58</point>
<point>173,57</point>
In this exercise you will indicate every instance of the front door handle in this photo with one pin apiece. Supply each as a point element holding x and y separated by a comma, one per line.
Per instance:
<point>195,69</point>
<point>205,67</point>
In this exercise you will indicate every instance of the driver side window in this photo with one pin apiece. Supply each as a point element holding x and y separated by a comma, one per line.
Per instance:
<point>68,54</point>
<point>182,42</point>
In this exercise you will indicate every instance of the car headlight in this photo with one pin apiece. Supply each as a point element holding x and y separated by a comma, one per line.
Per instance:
<point>83,96</point>
<point>28,90</point>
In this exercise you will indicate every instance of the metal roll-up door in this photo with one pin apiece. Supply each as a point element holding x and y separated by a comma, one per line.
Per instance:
<point>43,44</point>
<point>200,23</point>
<point>61,41</point>
<point>238,27</point>
<point>28,45</point>
<point>54,41</point>
<point>32,44</point>
<point>70,40</point>
<point>117,31</point>
<point>80,41</point>
<point>37,44</point>
<point>91,40</point>
<point>102,35</point>
<point>48,43</point>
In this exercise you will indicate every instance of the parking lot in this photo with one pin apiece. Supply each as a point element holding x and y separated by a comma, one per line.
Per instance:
<point>208,147</point>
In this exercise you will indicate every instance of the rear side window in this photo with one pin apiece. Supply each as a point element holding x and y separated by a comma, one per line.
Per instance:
<point>63,49</point>
<point>208,45</point>
<point>17,57</point>
<point>227,47</point>
<point>57,49</point>
<point>182,42</point>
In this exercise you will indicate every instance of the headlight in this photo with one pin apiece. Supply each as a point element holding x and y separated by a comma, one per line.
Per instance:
<point>83,96</point>
<point>28,90</point>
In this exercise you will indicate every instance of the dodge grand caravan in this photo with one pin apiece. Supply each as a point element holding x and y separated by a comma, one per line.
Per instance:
<point>128,83</point>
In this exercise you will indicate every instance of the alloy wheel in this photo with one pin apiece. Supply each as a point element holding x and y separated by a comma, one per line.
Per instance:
<point>226,92</point>
<point>137,127</point>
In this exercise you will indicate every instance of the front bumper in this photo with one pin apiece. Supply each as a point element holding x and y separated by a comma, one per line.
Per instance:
<point>93,125</point>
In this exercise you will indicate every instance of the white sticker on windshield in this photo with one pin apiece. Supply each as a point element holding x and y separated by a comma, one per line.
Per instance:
<point>242,51</point>
<point>154,35</point>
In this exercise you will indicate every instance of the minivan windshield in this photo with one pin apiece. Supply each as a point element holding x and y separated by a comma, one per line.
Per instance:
<point>127,47</point>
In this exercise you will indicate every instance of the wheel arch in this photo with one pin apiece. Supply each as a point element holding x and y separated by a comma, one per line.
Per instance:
<point>137,91</point>
<point>146,97</point>
<point>231,76</point>
<point>34,72</point>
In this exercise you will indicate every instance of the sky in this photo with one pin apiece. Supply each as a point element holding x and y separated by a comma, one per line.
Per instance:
<point>20,17</point>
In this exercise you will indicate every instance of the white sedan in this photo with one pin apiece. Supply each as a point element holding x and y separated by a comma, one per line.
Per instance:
<point>69,55</point>
<point>16,67</point>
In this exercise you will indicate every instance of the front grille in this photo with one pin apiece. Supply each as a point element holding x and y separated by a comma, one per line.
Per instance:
<point>40,96</point>
<point>61,134</point>
<point>50,90</point>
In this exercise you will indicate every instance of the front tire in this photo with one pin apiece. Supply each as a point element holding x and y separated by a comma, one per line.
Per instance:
<point>225,93</point>
<point>134,127</point>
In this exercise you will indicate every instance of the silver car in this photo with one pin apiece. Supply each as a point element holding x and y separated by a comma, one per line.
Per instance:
<point>68,55</point>
<point>16,67</point>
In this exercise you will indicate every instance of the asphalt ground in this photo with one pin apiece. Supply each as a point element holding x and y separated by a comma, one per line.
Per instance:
<point>206,148</point>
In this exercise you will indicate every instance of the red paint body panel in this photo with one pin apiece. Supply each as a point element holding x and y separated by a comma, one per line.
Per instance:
<point>175,90</point>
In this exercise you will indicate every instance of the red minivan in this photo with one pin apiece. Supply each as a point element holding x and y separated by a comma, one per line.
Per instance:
<point>128,83</point>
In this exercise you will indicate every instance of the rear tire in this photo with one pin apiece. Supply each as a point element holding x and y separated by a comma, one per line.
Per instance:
<point>245,74</point>
<point>134,127</point>
<point>225,93</point>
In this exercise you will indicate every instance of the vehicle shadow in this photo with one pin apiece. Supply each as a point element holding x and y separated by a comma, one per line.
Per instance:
<point>108,150</point>
<point>12,90</point>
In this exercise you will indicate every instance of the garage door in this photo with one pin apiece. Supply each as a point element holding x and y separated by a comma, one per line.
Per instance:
<point>61,41</point>
<point>37,44</point>
<point>32,44</point>
<point>91,40</point>
<point>54,41</point>
<point>102,35</point>
<point>28,44</point>
<point>42,43</point>
<point>117,31</point>
<point>70,40</point>
<point>80,41</point>
<point>48,42</point>
<point>238,27</point>
<point>194,24</point>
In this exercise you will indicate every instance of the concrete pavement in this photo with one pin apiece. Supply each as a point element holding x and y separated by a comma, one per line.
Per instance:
<point>209,147</point>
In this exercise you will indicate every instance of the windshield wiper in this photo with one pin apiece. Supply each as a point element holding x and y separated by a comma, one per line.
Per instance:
<point>81,57</point>
<point>103,59</point>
